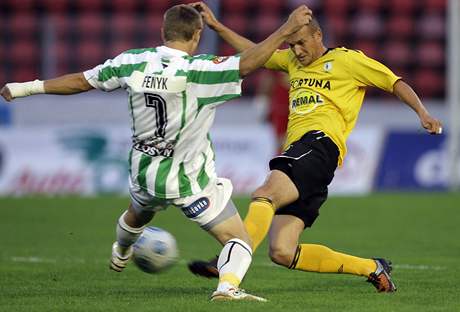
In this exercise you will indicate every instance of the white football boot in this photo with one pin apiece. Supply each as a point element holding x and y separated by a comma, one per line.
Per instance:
<point>235,294</point>
<point>119,262</point>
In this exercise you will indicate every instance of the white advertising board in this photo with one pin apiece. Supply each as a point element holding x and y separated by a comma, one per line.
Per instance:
<point>357,174</point>
<point>93,160</point>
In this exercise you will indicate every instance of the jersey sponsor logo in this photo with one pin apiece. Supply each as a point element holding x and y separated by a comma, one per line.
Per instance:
<point>156,147</point>
<point>196,208</point>
<point>219,59</point>
<point>305,102</point>
<point>328,66</point>
<point>311,82</point>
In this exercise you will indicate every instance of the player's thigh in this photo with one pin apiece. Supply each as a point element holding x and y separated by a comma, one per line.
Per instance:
<point>284,234</point>
<point>279,188</point>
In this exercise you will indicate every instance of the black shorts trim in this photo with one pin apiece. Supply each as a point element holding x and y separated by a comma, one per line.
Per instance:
<point>310,163</point>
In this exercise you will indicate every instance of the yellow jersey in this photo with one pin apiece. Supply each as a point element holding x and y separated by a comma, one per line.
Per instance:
<point>327,94</point>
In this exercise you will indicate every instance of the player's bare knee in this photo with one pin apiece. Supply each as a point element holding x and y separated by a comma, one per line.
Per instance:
<point>268,193</point>
<point>281,255</point>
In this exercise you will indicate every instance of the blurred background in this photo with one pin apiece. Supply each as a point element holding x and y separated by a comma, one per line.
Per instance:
<point>79,144</point>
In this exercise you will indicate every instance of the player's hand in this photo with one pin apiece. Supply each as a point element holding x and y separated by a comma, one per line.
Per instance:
<point>297,19</point>
<point>432,125</point>
<point>206,13</point>
<point>5,92</point>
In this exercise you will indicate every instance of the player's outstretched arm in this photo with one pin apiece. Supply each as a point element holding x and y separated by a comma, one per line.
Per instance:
<point>238,42</point>
<point>67,84</point>
<point>403,91</point>
<point>259,54</point>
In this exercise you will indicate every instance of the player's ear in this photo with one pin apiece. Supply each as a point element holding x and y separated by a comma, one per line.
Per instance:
<point>318,35</point>
<point>197,34</point>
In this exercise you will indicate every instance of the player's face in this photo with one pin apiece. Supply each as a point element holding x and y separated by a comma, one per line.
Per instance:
<point>305,45</point>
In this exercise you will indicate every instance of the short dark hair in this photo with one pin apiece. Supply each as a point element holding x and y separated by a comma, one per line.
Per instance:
<point>180,23</point>
<point>314,25</point>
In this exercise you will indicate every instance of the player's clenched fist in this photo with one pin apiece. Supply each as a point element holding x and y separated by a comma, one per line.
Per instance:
<point>206,14</point>
<point>5,92</point>
<point>297,19</point>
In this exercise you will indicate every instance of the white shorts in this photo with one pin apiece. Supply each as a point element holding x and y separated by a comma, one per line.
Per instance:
<point>208,208</point>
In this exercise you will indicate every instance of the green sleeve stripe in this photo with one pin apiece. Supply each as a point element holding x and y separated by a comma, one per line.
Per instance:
<point>185,188</point>
<point>130,162</point>
<point>140,51</point>
<point>213,77</point>
<point>162,175</point>
<point>143,166</point>
<point>181,73</point>
<point>124,70</point>
<point>203,57</point>
<point>215,99</point>
<point>203,178</point>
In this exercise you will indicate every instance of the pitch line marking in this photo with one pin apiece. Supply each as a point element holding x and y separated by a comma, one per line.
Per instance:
<point>35,259</point>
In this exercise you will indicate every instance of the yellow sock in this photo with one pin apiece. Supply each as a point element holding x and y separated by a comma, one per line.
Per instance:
<point>230,278</point>
<point>317,258</point>
<point>258,220</point>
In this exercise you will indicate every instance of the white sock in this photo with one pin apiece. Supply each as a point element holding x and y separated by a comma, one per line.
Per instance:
<point>126,235</point>
<point>233,263</point>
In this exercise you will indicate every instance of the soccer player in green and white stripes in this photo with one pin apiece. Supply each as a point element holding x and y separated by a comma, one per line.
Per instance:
<point>172,100</point>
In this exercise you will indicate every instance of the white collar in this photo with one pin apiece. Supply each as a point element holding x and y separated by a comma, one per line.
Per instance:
<point>172,51</point>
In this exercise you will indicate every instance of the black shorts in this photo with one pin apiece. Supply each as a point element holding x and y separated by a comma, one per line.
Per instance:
<point>310,163</point>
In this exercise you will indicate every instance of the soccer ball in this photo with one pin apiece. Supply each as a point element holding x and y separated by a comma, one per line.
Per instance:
<point>155,250</point>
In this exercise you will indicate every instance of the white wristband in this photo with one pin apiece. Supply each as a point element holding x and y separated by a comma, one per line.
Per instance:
<point>21,89</point>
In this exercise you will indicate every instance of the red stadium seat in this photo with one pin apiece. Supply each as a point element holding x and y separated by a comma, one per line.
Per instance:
<point>123,25</point>
<point>367,25</point>
<point>435,5</point>
<point>368,47</point>
<point>430,53</point>
<point>270,6</point>
<point>25,73</point>
<point>431,25</point>
<point>89,5</point>
<point>234,6</point>
<point>151,30</point>
<point>156,6</point>
<point>397,53</point>
<point>24,25</point>
<point>55,6</point>
<point>312,4</point>
<point>23,53</point>
<point>61,53</point>
<point>90,25</point>
<point>237,22</point>
<point>404,7</point>
<point>226,49</point>
<point>429,83</point>
<point>337,27</point>
<point>370,5</point>
<point>266,24</point>
<point>400,26</point>
<point>123,6</point>
<point>90,53</point>
<point>119,46</point>
<point>21,5</point>
<point>336,7</point>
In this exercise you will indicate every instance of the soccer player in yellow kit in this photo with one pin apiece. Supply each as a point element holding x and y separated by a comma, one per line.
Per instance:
<point>325,97</point>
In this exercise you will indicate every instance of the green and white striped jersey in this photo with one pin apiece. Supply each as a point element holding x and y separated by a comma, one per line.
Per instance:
<point>172,99</point>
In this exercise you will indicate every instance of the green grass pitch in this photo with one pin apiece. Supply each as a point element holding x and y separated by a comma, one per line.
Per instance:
<point>54,256</point>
